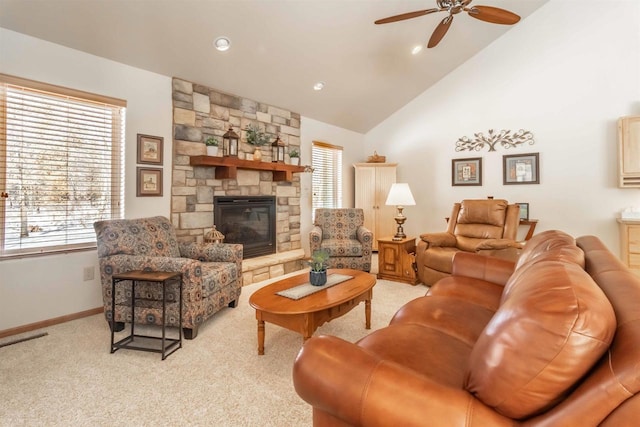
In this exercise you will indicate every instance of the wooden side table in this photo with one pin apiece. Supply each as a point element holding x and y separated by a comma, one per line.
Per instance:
<point>396,259</point>
<point>630,243</point>
<point>532,227</point>
<point>163,278</point>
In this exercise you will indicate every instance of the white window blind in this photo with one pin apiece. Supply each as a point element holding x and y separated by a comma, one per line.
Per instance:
<point>61,166</point>
<point>326,160</point>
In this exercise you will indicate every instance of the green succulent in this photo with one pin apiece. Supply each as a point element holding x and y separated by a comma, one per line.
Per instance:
<point>294,153</point>
<point>318,261</point>
<point>255,136</point>
<point>212,141</point>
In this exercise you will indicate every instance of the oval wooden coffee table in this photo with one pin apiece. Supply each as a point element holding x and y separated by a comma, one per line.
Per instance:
<point>308,313</point>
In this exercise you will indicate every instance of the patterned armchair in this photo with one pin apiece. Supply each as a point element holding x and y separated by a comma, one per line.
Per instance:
<point>211,273</point>
<point>342,234</point>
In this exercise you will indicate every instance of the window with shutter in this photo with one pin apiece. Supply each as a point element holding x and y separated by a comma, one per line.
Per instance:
<point>326,161</point>
<point>61,166</point>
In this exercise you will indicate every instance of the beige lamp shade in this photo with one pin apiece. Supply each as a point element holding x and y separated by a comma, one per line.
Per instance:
<point>400,195</point>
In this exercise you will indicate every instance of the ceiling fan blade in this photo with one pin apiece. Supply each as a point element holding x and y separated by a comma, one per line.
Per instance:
<point>404,16</point>
<point>440,31</point>
<point>494,15</point>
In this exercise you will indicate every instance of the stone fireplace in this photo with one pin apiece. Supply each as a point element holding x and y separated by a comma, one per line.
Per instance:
<point>200,112</point>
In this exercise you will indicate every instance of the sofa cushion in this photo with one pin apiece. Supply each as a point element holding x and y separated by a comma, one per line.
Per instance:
<point>476,291</point>
<point>339,223</point>
<point>460,319</point>
<point>554,325</point>
<point>342,247</point>
<point>431,352</point>
<point>153,237</point>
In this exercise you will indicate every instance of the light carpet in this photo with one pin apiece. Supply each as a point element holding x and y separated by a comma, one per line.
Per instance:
<point>69,378</point>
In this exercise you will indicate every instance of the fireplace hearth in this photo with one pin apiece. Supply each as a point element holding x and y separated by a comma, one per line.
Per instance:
<point>248,220</point>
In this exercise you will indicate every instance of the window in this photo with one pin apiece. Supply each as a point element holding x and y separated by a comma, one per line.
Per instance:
<point>61,166</point>
<point>326,161</point>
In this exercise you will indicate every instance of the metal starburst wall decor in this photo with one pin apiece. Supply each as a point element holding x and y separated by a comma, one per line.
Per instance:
<point>504,138</point>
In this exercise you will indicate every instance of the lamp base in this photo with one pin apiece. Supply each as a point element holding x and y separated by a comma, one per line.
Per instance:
<point>400,219</point>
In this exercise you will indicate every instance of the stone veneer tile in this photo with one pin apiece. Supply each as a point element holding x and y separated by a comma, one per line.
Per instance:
<point>182,116</point>
<point>275,111</point>
<point>182,86</point>
<point>263,117</point>
<point>201,103</point>
<point>190,220</point>
<point>290,130</point>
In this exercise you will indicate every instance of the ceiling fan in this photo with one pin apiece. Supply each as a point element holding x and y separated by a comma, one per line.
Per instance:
<point>491,14</point>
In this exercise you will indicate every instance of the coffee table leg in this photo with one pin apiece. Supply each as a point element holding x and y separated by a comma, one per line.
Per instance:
<point>260,337</point>
<point>367,313</point>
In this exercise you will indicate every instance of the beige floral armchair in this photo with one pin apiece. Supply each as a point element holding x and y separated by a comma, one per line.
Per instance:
<point>211,273</point>
<point>342,234</point>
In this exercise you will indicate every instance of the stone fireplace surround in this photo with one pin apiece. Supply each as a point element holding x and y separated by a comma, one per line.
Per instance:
<point>200,112</point>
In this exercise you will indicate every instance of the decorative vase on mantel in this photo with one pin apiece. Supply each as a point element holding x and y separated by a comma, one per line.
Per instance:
<point>257,155</point>
<point>318,278</point>
<point>212,150</point>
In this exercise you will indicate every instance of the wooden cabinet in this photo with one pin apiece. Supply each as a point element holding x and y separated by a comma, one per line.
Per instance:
<point>630,244</point>
<point>629,151</point>
<point>396,259</point>
<point>373,182</point>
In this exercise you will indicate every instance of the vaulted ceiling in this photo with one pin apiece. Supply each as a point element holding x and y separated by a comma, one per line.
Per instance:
<point>280,48</point>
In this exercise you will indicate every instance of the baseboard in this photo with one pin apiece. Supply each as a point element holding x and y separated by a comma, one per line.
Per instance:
<point>50,322</point>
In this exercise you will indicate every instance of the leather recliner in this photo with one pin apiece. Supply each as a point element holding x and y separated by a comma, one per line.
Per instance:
<point>488,227</point>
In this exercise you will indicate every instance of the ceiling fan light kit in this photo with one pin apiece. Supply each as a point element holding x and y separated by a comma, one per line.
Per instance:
<point>490,14</point>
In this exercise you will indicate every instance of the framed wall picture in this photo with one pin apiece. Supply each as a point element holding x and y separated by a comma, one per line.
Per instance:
<point>149,182</point>
<point>524,211</point>
<point>466,171</point>
<point>520,169</point>
<point>150,149</point>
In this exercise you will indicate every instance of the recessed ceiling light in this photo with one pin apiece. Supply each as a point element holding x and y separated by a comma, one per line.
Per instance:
<point>318,86</point>
<point>417,49</point>
<point>222,43</point>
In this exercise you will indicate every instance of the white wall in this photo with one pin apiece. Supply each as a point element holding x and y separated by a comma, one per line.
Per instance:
<point>352,143</point>
<point>566,73</point>
<point>39,288</point>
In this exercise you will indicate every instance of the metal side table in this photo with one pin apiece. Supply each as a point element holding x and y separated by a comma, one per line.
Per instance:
<point>164,278</point>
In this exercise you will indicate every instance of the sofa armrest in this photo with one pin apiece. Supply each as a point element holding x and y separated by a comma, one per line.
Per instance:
<point>364,236</point>
<point>212,252</point>
<point>315,238</point>
<point>489,269</point>
<point>439,239</point>
<point>190,269</point>
<point>355,386</point>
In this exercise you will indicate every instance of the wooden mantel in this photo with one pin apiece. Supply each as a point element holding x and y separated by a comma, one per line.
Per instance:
<point>227,167</point>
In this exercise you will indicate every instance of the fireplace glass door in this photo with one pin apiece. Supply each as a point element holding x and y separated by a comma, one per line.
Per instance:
<point>250,221</point>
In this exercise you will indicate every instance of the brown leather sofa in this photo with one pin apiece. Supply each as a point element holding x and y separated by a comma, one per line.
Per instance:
<point>485,226</point>
<point>551,340</point>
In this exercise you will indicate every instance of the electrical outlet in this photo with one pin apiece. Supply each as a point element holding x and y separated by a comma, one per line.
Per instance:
<point>89,273</point>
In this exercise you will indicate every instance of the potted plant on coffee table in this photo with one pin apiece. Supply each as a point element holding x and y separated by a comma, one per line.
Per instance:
<point>212,146</point>
<point>318,264</point>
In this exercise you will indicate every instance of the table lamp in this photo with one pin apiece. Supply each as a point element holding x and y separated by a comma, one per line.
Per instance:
<point>400,196</point>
